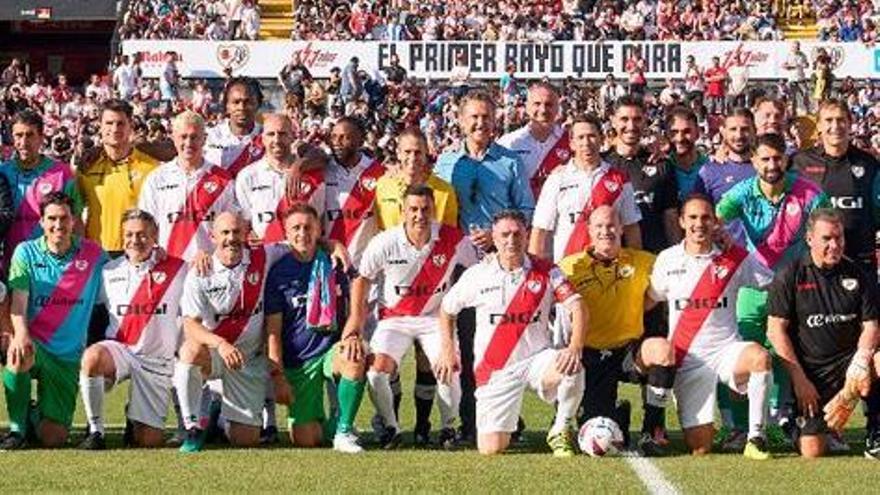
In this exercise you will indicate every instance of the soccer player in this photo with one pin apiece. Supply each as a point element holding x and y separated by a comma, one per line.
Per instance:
<point>823,324</point>
<point>701,282</point>
<point>542,144</point>
<point>184,195</point>
<point>54,281</point>
<point>412,265</point>
<point>111,184</point>
<point>683,131</point>
<point>224,336</point>
<point>579,187</point>
<point>236,141</point>
<point>265,188</point>
<point>350,179</point>
<point>412,170</point>
<point>304,316</point>
<point>716,178</point>
<point>513,294</point>
<point>32,176</point>
<point>652,179</point>
<point>141,292</point>
<point>613,282</point>
<point>773,207</point>
<point>849,176</point>
<point>487,178</point>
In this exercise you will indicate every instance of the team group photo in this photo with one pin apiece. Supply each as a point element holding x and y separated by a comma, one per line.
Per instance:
<point>563,245</point>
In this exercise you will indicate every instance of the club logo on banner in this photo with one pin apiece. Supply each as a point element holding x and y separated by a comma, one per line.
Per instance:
<point>233,57</point>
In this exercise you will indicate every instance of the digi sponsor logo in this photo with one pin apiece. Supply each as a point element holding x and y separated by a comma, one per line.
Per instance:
<point>700,303</point>
<point>521,317</point>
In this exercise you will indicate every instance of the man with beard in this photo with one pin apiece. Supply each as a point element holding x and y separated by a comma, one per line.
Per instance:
<point>264,189</point>
<point>613,283</point>
<point>487,178</point>
<point>683,130</point>
<point>716,178</point>
<point>236,141</point>
<point>652,180</point>
<point>542,144</point>
<point>773,207</point>
<point>849,176</point>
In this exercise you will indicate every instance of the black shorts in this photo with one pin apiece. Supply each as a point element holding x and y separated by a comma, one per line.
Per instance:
<point>827,388</point>
<point>604,369</point>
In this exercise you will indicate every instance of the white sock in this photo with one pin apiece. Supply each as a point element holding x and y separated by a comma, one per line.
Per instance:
<point>92,390</point>
<point>568,397</point>
<point>760,383</point>
<point>450,397</point>
<point>380,394</point>
<point>187,379</point>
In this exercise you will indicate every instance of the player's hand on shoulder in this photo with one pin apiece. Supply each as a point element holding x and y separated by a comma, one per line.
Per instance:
<point>202,263</point>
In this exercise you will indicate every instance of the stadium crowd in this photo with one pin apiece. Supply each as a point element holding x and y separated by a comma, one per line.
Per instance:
<point>453,215</point>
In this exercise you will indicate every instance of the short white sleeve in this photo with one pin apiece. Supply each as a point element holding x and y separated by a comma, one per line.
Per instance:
<point>658,289</point>
<point>374,256</point>
<point>464,293</point>
<point>546,212</point>
<point>627,208</point>
<point>241,193</point>
<point>194,303</point>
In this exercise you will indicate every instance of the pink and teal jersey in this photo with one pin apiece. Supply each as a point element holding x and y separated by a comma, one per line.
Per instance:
<point>28,188</point>
<point>62,291</point>
<point>773,231</point>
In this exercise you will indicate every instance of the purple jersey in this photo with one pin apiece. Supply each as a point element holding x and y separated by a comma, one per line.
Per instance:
<point>716,179</point>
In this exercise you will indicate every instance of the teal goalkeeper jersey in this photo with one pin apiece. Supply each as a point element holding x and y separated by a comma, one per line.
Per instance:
<point>62,291</point>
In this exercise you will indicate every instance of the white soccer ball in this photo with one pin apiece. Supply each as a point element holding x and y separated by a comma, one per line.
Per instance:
<point>600,437</point>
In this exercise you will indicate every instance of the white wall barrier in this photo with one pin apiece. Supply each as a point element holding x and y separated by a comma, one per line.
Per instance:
<point>487,60</point>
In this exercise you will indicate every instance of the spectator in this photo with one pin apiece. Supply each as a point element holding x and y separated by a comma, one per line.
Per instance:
<point>294,76</point>
<point>250,20</point>
<point>351,86</point>
<point>823,77</point>
<point>635,68</point>
<point>126,78</point>
<point>796,65</point>
<point>739,80</point>
<point>716,87</point>
<point>170,78</point>
<point>609,93</point>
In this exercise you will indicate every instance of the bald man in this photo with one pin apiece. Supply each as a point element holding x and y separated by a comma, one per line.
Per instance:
<point>224,335</point>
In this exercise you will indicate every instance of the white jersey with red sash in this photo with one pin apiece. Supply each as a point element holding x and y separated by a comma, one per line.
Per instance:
<point>539,158</point>
<point>349,215</point>
<point>144,304</point>
<point>702,290</point>
<point>232,152</point>
<point>229,301</point>
<point>571,194</point>
<point>185,204</point>
<point>512,308</point>
<point>260,192</point>
<point>412,282</point>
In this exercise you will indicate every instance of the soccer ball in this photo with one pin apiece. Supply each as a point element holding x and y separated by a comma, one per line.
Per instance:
<point>600,437</point>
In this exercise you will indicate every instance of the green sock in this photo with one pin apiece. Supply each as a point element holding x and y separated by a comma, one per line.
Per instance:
<point>18,398</point>
<point>351,393</point>
<point>740,414</point>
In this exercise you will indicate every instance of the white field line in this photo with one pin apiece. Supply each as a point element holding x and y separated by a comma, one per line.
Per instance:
<point>652,477</point>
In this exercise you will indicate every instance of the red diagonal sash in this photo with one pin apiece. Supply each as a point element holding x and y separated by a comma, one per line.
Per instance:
<point>429,277</point>
<point>70,286</point>
<point>520,311</point>
<point>232,325</point>
<point>308,184</point>
<point>250,153</point>
<point>358,203</point>
<point>149,294</point>
<point>558,154</point>
<point>709,288</point>
<point>198,202</point>
<point>605,192</point>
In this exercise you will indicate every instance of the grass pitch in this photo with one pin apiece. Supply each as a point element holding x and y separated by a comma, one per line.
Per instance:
<point>526,469</point>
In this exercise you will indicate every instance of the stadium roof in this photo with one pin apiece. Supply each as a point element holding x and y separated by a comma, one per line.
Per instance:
<point>57,10</point>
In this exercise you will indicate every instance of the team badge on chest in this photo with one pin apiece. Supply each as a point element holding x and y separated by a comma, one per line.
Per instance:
<point>563,154</point>
<point>858,171</point>
<point>626,271</point>
<point>44,188</point>
<point>534,286</point>
<point>210,186</point>
<point>611,185</point>
<point>438,259</point>
<point>368,184</point>
<point>793,209</point>
<point>849,284</point>
<point>651,171</point>
<point>81,265</point>
<point>721,272</point>
<point>253,278</point>
<point>158,277</point>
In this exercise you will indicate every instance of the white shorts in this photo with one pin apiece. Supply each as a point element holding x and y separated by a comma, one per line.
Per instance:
<point>244,390</point>
<point>150,377</point>
<point>695,388</point>
<point>499,401</point>
<point>395,336</point>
